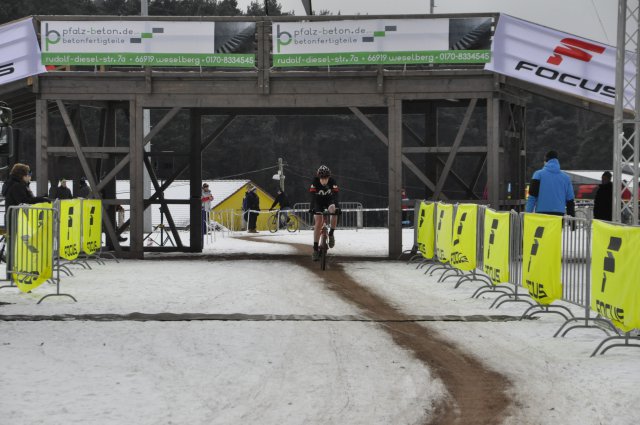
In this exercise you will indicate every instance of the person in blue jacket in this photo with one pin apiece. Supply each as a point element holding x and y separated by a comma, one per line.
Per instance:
<point>550,190</point>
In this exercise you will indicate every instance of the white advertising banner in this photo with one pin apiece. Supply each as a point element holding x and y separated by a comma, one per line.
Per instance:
<point>554,59</point>
<point>381,41</point>
<point>19,51</point>
<point>148,43</point>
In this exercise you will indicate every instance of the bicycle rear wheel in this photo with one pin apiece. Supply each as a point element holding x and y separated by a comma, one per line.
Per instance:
<point>272,224</point>
<point>292,225</point>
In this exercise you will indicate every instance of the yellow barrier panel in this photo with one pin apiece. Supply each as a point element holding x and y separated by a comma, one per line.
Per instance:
<point>444,227</point>
<point>614,274</point>
<point>465,226</point>
<point>542,259</point>
<point>70,228</point>
<point>496,246</point>
<point>91,225</point>
<point>426,231</point>
<point>33,247</point>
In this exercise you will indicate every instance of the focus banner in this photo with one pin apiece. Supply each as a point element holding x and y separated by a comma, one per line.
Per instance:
<point>381,41</point>
<point>70,228</point>
<point>614,274</point>
<point>19,51</point>
<point>426,230</point>
<point>33,248</point>
<point>148,43</point>
<point>557,60</point>
<point>496,245</point>
<point>91,225</point>
<point>463,255</point>
<point>444,227</point>
<point>542,257</point>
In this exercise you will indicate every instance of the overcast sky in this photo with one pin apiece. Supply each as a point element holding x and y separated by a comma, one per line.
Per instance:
<point>594,19</point>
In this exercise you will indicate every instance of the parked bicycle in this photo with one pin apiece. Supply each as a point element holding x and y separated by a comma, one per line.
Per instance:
<point>282,220</point>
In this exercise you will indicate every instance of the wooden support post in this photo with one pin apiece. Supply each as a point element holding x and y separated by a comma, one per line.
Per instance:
<point>136,154</point>
<point>42,142</point>
<point>195,178</point>
<point>493,152</point>
<point>432,168</point>
<point>395,177</point>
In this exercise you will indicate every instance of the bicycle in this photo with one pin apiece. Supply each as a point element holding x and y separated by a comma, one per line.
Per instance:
<point>275,222</point>
<point>323,244</point>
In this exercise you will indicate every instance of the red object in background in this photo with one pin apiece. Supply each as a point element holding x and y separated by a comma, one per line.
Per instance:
<point>588,191</point>
<point>585,191</point>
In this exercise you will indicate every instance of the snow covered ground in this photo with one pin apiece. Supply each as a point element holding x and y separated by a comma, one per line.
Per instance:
<point>297,371</point>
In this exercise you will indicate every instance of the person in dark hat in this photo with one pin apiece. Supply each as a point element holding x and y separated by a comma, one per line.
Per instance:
<point>550,191</point>
<point>250,207</point>
<point>603,203</point>
<point>283,201</point>
<point>83,190</point>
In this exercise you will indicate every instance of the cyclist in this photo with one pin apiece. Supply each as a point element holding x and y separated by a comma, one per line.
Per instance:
<point>324,196</point>
<point>283,201</point>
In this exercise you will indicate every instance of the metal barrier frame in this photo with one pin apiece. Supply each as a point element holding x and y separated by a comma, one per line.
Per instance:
<point>14,212</point>
<point>575,277</point>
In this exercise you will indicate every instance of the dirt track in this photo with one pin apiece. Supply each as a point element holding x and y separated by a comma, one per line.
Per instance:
<point>477,395</point>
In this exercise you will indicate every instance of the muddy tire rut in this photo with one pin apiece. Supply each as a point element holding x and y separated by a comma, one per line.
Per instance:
<point>476,395</point>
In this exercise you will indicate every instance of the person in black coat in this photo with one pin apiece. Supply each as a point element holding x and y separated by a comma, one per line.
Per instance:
<point>251,203</point>
<point>603,203</point>
<point>63,192</point>
<point>83,190</point>
<point>283,202</point>
<point>16,191</point>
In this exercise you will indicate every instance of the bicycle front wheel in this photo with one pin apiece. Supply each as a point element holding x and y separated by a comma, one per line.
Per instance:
<point>292,225</point>
<point>323,258</point>
<point>272,224</point>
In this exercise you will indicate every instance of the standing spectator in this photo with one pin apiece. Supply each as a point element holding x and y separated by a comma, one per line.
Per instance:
<point>206,199</point>
<point>283,201</point>
<point>53,191</point>
<point>550,191</point>
<point>405,204</point>
<point>120,222</point>
<point>16,191</point>
<point>83,190</point>
<point>250,207</point>
<point>120,215</point>
<point>603,204</point>
<point>63,192</point>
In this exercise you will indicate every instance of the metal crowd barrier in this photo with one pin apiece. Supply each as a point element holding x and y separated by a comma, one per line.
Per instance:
<point>575,275</point>
<point>352,216</point>
<point>32,249</point>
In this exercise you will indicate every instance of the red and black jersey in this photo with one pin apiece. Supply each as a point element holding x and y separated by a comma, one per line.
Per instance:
<point>323,195</point>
